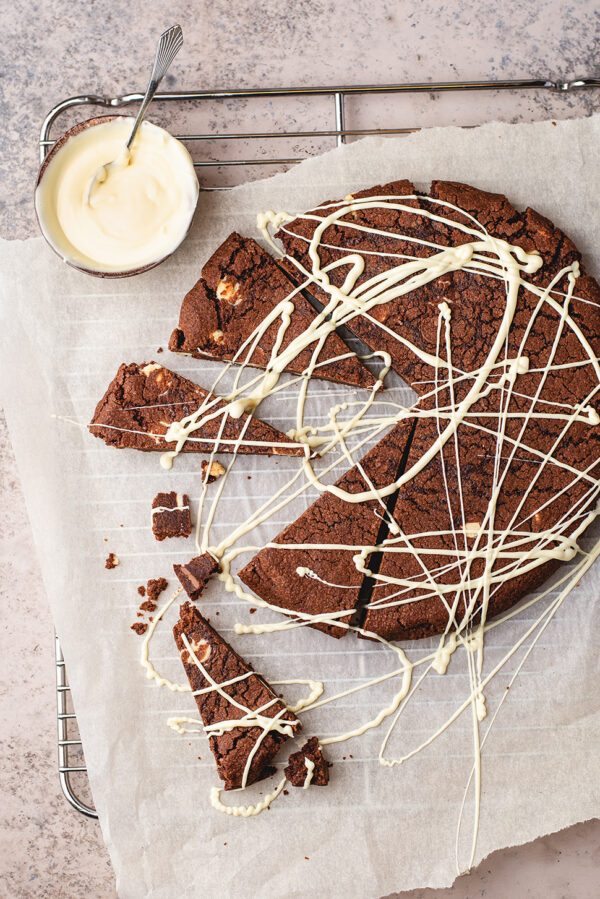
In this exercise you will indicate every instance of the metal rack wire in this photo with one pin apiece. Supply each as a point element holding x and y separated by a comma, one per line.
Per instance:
<point>71,762</point>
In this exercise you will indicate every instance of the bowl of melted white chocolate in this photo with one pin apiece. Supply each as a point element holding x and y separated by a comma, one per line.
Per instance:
<point>137,217</point>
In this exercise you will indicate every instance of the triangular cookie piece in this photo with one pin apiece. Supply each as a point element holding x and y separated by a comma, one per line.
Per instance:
<point>142,401</point>
<point>227,690</point>
<point>223,313</point>
<point>322,578</point>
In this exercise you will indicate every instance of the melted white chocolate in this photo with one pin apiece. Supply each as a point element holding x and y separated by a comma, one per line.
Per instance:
<point>140,211</point>
<point>310,770</point>
<point>245,811</point>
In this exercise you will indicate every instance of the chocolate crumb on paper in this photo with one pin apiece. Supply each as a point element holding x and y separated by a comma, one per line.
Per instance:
<point>155,587</point>
<point>112,561</point>
<point>194,575</point>
<point>211,472</point>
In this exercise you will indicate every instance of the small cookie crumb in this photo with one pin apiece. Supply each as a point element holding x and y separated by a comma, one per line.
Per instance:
<point>148,606</point>
<point>155,587</point>
<point>211,472</point>
<point>111,561</point>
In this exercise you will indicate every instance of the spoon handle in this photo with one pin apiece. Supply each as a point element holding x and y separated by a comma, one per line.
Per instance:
<point>169,45</point>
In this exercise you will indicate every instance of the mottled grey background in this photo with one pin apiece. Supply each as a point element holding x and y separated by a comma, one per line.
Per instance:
<point>58,48</point>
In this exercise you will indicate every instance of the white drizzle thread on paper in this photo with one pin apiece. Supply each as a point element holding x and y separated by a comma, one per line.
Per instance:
<point>483,255</point>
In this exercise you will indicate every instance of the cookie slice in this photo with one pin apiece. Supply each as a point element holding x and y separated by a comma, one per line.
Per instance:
<point>427,575</point>
<point>142,401</point>
<point>243,751</point>
<point>322,579</point>
<point>222,318</point>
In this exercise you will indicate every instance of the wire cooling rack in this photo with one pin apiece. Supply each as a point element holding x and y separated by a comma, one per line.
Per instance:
<point>336,115</point>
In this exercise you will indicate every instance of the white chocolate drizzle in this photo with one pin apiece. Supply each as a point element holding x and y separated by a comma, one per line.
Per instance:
<point>520,547</point>
<point>310,770</point>
<point>245,811</point>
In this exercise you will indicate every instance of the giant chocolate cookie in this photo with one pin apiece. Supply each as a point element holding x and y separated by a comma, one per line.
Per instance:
<point>489,315</point>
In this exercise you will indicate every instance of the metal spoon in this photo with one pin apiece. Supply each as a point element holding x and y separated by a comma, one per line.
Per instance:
<point>169,45</point>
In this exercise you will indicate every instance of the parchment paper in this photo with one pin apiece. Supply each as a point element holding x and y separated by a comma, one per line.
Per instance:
<point>373,830</point>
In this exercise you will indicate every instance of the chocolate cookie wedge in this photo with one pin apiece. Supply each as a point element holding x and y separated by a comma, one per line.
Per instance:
<point>245,721</point>
<point>383,236</point>
<point>142,401</point>
<point>314,571</point>
<point>231,313</point>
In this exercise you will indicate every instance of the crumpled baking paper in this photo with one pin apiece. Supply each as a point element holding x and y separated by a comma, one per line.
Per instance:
<point>373,830</point>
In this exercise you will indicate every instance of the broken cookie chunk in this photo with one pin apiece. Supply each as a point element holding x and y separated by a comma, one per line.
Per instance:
<point>155,587</point>
<point>308,766</point>
<point>171,515</point>
<point>194,575</point>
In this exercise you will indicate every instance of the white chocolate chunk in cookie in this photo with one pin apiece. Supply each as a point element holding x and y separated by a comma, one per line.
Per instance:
<point>228,289</point>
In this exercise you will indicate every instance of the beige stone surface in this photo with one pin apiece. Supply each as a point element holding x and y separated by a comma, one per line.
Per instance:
<point>58,48</point>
